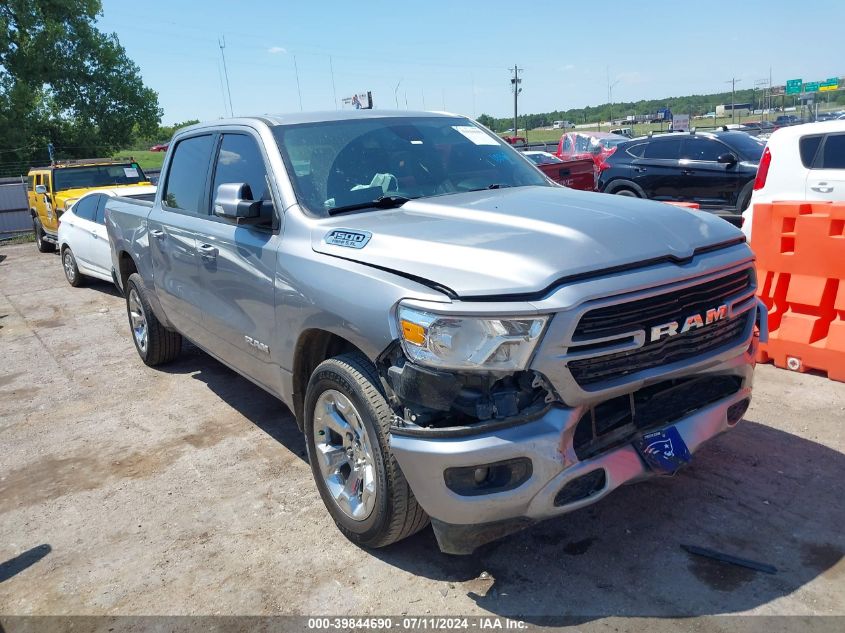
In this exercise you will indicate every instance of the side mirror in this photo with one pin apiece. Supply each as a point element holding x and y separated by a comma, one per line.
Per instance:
<point>39,189</point>
<point>234,202</point>
<point>727,159</point>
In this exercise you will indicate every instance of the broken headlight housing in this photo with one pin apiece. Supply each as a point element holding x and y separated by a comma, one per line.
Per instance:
<point>468,342</point>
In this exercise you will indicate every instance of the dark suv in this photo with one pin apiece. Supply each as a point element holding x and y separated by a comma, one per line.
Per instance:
<point>714,169</point>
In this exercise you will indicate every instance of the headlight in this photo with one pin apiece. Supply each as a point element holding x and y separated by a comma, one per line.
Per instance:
<point>467,342</point>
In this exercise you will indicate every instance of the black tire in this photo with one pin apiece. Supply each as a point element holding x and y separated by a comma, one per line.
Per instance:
<point>72,274</point>
<point>41,244</point>
<point>162,345</point>
<point>625,191</point>
<point>396,513</point>
<point>744,197</point>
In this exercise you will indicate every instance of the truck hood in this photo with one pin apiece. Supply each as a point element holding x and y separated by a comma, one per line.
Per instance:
<point>520,240</point>
<point>72,195</point>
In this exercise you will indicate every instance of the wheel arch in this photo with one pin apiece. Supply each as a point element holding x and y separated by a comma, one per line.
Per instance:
<point>313,346</point>
<point>620,183</point>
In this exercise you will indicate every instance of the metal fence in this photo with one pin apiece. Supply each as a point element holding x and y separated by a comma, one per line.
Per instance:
<point>14,208</point>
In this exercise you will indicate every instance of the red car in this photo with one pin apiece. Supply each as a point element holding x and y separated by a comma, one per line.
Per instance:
<point>161,147</point>
<point>595,145</point>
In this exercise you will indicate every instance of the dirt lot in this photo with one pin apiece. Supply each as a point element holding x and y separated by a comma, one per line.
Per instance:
<point>128,490</point>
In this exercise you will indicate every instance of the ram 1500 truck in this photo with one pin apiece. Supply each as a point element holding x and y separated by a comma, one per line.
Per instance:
<point>459,338</point>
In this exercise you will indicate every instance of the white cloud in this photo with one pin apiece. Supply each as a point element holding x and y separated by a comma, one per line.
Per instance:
<point>275,50</point>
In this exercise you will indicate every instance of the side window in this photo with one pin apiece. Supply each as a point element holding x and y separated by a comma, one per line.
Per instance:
<point>86,208</point>
<point>667,149</point>
<point>833,153</point>
<point>702,149</point>
<point>567,144</point>
<point>637,150</point>
<point>808,147</point>
<point>100,217</point>
<point>240,161</point>
<point>186,178</point>
<point>38,180</point>
<point>30,183</point>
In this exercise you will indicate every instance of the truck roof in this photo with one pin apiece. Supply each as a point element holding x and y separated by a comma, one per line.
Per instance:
<point>317,117</point>
<point>84,162</point>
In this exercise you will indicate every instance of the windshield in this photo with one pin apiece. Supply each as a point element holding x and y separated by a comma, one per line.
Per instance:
<point>348,164</point>
<point>97,176</point>
<point>749,147</point>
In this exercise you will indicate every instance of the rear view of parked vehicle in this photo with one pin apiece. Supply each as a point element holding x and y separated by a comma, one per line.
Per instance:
<point>595,145</point>
<point>801,162</point>
<point>576,173</point>
<point>83,241</point>
<point>715,170</point>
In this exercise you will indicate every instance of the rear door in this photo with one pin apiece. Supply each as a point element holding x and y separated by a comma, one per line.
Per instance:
<point>78,229</point>
<point>703,179</point>
<point>237,264</point>
<point>657,172</point>
<point>826,177</point>
<point>173,227</point>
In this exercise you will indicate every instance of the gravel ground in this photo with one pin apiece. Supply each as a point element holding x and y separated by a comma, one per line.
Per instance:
<point>126,490</point>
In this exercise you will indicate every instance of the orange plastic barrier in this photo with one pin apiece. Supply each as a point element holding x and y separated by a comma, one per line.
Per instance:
<point>685,205</point>
<point>800,248</point>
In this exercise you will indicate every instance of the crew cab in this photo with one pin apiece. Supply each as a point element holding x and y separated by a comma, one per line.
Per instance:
<point>53,189</point>
<point>460,339</point>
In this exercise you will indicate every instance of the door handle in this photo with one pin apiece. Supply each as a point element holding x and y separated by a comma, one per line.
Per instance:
<point>639,169</point>
<point>159,235</point>
<point>823,187</point>
<point>687,172</point>
<point>208,252</point>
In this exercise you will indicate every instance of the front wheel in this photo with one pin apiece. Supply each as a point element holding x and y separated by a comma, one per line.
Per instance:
<point>347,422</point>
<point>630,193</point>
<point>41,244</point>
<point>156,344</point>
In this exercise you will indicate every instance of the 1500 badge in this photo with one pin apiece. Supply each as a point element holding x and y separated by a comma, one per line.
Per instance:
<point>348,238</point>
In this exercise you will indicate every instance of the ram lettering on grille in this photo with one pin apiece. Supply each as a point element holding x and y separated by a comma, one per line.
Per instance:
<point>694,321</point>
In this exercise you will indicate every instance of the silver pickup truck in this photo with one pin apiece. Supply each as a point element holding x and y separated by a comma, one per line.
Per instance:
<point>460,339</point>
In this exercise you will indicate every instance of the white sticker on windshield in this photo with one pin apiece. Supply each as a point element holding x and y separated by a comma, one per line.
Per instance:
<point>477,136</point>
<point>130,172</point>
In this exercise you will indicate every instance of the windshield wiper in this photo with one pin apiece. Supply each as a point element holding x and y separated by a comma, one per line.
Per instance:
<point>382,202</point>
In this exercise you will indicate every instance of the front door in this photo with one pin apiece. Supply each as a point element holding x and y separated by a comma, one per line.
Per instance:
<point>657,172</point>
<point>172,231</point>
<point>237,265</point>
<point>703,179</point>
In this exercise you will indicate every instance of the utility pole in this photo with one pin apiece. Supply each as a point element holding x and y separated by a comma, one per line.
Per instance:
<point>298,88</point>
<point>515,81</point>
<point>221,42</point>
<point>732,81</point>
<point>396,93</point>
<point>610,87</point>
<point>334,91</point>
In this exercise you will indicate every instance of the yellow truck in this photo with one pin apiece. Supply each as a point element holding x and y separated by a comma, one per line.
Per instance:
<point>54,189</point>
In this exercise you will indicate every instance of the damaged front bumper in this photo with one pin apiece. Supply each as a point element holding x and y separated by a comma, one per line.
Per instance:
<point>555,470</point>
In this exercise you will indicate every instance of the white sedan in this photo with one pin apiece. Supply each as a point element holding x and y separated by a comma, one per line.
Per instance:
<point>83,242</point>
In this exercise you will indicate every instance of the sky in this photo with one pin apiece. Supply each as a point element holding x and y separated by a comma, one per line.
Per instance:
<point>456,55</point>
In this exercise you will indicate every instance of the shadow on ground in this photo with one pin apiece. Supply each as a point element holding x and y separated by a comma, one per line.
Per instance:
<point>264,410</point>
<point>756,492</point>
<point>19,563</point>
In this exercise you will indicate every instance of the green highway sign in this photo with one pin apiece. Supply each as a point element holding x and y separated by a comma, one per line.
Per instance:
<point>813,86</point>
<point>831,84</point>
<point>793,86</point>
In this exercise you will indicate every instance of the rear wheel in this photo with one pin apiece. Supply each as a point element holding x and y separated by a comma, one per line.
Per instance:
<point>156,344</point>
<point>72,274</point>
<point>347,422</point>
<point>744,197</point>
<point>43,245</point>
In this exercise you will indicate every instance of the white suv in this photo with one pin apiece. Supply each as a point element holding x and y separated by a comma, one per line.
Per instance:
<point>800,162</point>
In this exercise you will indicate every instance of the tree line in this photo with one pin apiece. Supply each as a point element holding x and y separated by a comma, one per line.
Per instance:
<point>692,104</point>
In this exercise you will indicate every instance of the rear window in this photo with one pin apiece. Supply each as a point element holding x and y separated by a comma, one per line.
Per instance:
<point>186,177</point>
<point>808,146</point>
<point>833,154</point>
<point>637,150</point>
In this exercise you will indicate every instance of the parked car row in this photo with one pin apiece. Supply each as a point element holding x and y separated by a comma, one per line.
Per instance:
<point>460,340</point>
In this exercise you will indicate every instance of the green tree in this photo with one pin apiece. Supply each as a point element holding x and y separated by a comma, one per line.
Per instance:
<point>65,82</point>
